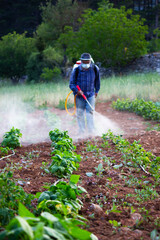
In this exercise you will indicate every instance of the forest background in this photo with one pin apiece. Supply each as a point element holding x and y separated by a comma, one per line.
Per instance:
<point>40,39</point>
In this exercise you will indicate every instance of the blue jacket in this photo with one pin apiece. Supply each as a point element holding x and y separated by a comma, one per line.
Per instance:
<point>88,80</point>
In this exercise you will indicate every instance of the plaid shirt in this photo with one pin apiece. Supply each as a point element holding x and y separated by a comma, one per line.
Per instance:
<point>86,80</point>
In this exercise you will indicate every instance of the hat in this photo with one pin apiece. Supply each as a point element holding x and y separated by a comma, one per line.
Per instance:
<point>85,56</point>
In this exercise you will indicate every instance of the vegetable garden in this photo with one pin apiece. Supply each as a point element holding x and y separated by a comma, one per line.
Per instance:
<point>96,188</point>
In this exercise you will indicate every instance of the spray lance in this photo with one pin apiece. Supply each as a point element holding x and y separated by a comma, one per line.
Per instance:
<point>85,99</point>
<point>92,110</point>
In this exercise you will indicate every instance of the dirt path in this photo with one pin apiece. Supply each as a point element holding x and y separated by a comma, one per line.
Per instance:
<point>100,191</point>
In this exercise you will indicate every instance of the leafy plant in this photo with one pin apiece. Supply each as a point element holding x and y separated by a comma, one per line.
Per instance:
<point>10,195</point>
<point>62,198</point>
<point>4,151</point>
<point>114,223</point>
<point>11,138</point>
<point>64,163</point>
<point>99,169</point>
<point>147,109</point>
<point>105,27</point>
<point>50,74</point>
<point>44,227</point>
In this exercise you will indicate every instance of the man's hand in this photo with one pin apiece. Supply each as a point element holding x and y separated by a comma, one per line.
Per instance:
<point>79,93</point>
<point>96,95</point>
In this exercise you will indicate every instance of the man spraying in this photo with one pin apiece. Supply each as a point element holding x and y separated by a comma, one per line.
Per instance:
<point>87,77</point>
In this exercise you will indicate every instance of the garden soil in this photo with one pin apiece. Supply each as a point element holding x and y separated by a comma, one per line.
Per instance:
<point>103,188</point>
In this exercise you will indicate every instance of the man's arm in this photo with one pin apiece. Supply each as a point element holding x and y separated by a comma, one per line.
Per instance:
<point>73,82</point>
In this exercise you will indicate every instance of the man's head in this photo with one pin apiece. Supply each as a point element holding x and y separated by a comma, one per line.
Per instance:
<point>86,60</point>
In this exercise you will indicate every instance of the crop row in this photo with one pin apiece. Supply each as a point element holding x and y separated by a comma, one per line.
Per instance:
<point>56,215</point>
<point>147,109</point>
<point>136,155</point>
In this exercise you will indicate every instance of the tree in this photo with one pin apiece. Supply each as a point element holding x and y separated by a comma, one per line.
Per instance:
<point>15,50</point>
<point>55,18</point>
<point>114,37</point>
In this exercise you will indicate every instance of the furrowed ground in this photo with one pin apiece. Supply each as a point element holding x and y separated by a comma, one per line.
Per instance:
<point>123,200</point>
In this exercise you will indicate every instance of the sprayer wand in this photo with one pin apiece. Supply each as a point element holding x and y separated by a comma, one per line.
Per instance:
<point>85,99</point>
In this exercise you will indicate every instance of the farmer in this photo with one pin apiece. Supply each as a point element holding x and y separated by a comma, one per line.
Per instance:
<point>87,77</point>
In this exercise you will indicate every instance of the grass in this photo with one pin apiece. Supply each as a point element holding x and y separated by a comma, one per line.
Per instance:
<point>146,86</point>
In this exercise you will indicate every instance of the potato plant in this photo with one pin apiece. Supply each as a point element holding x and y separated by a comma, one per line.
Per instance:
<point>147,109</point>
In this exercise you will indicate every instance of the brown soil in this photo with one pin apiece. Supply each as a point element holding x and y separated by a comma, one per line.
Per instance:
<point>103,189</point>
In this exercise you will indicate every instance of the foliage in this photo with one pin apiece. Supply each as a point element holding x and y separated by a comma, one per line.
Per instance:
<point>62,198</point>
<point>135,153</point>
<point>19,16</point>
<point>44,227</point>
<point>147,109</point>
<point>55,18</point>
<point>58,135</point>
<point>10,195</point>
<point>65,161</point>
<point>15,50</point>
<point>61,104</point>
<point>34,67</point>
<point>11,138</point>
<point>50,74</point>
<point>44,65</point>
<point>113,36</point>
<point>4,151</point>
<point>154,43</point>
<point>52,55</point>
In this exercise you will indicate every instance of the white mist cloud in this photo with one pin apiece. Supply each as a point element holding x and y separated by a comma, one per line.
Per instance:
<point>35,124</point>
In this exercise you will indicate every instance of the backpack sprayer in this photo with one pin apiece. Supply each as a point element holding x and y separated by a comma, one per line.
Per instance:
<point>92,110</point>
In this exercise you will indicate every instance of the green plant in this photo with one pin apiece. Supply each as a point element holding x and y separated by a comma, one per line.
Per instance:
<point>4,151</point>
<point>15,50</point>
<point>11,138</point>
<point>64,163</point>
<point>108,24</point>
<point>99,169</point>
<point>114,223</point>
<point>46,226</point>
<point>50,74</point>
<point>62,198</point>
<point>146,109</point>
<point>113,209</point>
<point>10,195</point>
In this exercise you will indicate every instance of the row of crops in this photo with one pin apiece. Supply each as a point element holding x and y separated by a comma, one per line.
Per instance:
<point>56,215</point>
<point>147,109</point>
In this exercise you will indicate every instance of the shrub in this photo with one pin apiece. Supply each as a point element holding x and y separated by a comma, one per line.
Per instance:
<point>10,194</point>
<point>15,50</point>
<point>11,138</point>
<point>50,74</point>
<point>113,36</point>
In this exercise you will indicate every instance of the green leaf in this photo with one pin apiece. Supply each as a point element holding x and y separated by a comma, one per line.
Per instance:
<point>80,234</point>
<point>54,233</point>
<point>19,221</point>
<point>74,178</point>
<point>39,230</point>
<point>49,217</point>
<point>24,212</point>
